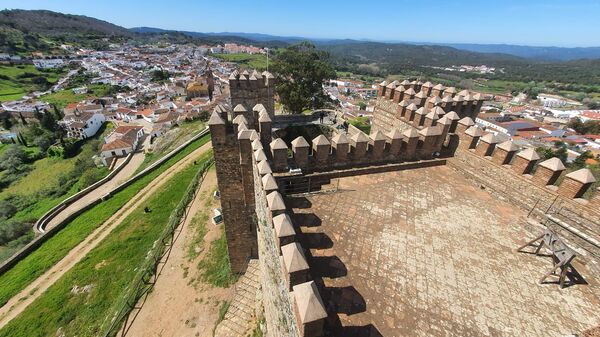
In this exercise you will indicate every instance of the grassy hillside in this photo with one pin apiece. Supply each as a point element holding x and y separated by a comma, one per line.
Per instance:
<point>16,81</point>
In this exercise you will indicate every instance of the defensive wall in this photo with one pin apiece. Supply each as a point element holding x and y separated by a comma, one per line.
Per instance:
<point>255,173</point>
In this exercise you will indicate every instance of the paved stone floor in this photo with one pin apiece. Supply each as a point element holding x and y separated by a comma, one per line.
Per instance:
<point>425,253</point>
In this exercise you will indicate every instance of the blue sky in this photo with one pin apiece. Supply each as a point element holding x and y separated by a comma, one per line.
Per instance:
<point>567,23</point>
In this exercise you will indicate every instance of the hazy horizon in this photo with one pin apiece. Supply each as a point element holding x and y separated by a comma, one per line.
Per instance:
<point>535,23</point>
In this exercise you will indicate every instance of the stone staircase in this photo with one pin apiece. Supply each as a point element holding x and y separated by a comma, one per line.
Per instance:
<point>240,318</point>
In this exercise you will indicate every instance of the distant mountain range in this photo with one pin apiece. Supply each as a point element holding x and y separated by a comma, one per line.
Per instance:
<point>531,52</point>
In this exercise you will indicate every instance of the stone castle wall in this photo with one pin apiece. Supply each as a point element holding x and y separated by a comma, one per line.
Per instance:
<point>250,89</point>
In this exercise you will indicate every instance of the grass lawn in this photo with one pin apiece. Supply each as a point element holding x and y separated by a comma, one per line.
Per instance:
<point>18,80</point>
<point>108,270</point>
<point>51,251</point>
<point>249,61</point>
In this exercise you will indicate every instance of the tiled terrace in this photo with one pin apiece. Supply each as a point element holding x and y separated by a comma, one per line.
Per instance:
<point>424,253</point>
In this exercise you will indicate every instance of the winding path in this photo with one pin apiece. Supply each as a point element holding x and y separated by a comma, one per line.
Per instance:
<point>35,289</point>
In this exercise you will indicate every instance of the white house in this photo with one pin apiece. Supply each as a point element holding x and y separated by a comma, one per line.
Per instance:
<point>48,64</point>
<point>122,141</point>
<point>83,126</point>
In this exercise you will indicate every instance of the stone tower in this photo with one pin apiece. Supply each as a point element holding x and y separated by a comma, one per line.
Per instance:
<point>252,89</point>
<point>232,133</point>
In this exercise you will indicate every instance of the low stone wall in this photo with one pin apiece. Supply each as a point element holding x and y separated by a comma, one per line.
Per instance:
<point>35,243</point>
<point>582,218</point>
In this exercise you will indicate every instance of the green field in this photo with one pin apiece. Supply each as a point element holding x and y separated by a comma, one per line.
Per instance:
<point>247,61</point>
<point>51,251</point>
<point>63,97</point>
<point>19,80</point>
<point>108,270</point>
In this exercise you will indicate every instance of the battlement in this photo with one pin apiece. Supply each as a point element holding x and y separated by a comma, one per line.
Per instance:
<point>400,103</point>
<point>250,89</point>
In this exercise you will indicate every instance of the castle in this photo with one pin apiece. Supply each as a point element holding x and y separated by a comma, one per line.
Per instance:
<point>417,127</point>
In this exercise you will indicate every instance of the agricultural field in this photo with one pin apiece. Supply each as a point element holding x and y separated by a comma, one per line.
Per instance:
<point>247,61</point>
<point>19,80</point>
<point>55,248</point>
<point>103,276</point>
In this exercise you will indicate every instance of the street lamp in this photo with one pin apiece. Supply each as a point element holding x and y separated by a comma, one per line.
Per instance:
<point>267,49</point>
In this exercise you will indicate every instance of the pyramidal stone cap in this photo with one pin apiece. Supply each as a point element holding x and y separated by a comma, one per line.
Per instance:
<point>439,86</point>
<point>583,176</point>
<point>383,84</point>
<point>458,98</point>
<point>450,90</point>
<point>256,145</point>
<point>410,91</point>
<point>395,134</point>
<point>360,137</point>
<point>427,84</point>
<point>267,74</point>
<point>404,103</point>
<point>259,155</point>
<point>447,99</point>
<point>410,133</point>
<point>239,108</point>
<point>421,94</point>
<point>245,134</point>
<point>438,111</point>
<point>432,115</point>
<point>464,93</point>
<point>293,257</point>
<point>263,117</point>
<point>215,119</point>
<point>444,121</point>
<point>411,106</point>
<point>340,138</point>
<point>529,154</point>
<point>377,135</point>
<point>275,201</point>
<point>283,225</point>
<point>239,119</point>
<point>253,135</point>
<point>405,82</point>
<point>431,131</point>
<point>269,183</point>
<point>489,138</point>
<point>300,142</point>
<point>421,111</point>
<point>278,144</point>
<point>508,146</point>
<point>264,168</point>
<point>391,85</point>
<point>245,73</point>
<point>452,115</point>
<point>467,121</point>
<point>258,107</point>
<point>400,88</point>
<point>553,164</point>
<point>474,131</point>
<point>309,303</point>
<point>320,140</point>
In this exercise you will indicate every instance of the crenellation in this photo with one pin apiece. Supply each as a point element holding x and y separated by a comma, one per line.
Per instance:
<point>358,145</point>
<point>486,145</point>
<point>377,144</point>
<point>321,149</point>
<point>524,161</point>
<point>548,171</point>
<point>301,148</point>
<point>279,152</point>
<point>504,153</point>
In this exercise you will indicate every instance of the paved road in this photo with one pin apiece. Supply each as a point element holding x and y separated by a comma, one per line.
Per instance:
<point>35,289</point>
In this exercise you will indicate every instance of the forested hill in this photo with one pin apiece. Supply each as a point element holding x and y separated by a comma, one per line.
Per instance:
<point>53,23</point>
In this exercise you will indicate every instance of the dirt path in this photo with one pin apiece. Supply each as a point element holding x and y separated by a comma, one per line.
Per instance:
<point>179,305</point>
<point>20,301</point>
<point>103,189</point>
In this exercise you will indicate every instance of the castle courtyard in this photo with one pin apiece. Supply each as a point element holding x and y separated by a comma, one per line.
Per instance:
<point>424,252</point>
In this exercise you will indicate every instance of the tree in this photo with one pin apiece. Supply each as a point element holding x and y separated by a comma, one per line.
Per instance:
<point>300,71</point>
<point>13,159</point>
<point>7,123</point>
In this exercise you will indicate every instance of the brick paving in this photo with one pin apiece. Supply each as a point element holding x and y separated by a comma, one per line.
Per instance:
<point>424,253</point>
